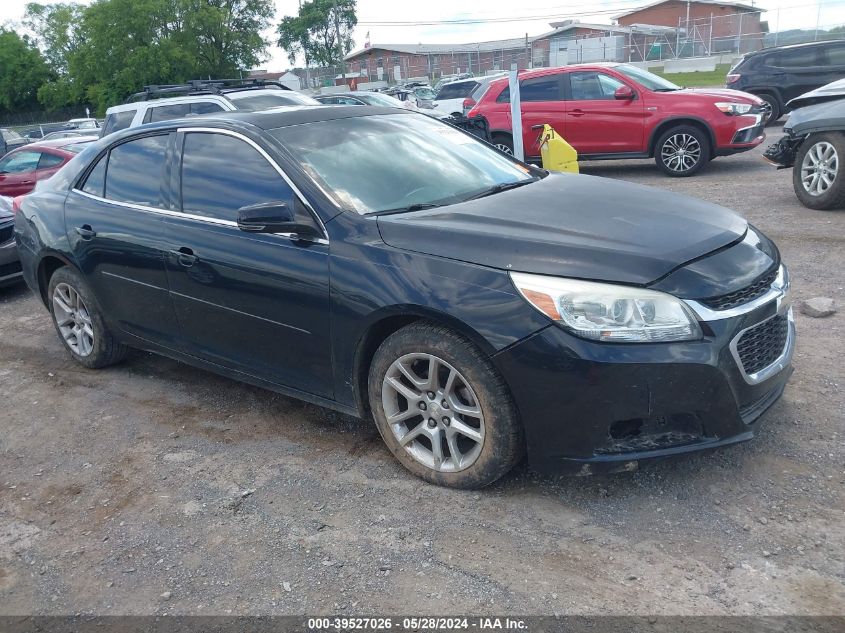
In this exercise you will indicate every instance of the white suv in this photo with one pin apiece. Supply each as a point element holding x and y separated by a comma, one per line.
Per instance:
<point>199,98</point>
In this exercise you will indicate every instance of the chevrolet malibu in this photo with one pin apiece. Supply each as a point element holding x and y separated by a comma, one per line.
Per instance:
<point>391,267</point>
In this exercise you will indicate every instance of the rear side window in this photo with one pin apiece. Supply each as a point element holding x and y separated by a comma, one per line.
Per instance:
<point>135,171</point>
<point>540,89</point>
<point>19,162</point>
<point>49,160</point>
<point>221,174</point>
<point>118,121</point>
<point>795,58</point>
<point>166,112</point>
<point>457,90</point>
<point>836,55</point>
<point>205,107</point>
<point>95,183</point>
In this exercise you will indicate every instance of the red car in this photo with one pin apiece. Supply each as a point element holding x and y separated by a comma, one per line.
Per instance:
<point>20,169</point>
<point>621,111</point>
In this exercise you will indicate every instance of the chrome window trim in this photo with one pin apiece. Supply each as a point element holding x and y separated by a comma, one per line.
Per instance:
<point>190,216</point>
<point>269,159</point>
<point>780,363</point>
<point>778,292</point>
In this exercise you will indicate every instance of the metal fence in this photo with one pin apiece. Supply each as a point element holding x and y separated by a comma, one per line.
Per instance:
<point>33,118</point>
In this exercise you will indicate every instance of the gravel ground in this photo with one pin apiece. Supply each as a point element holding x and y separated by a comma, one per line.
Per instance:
<point>153,487</point>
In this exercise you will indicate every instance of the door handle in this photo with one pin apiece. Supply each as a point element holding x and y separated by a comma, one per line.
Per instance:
<point>185,256</point>
<point>86,232</point>
<point>577,112</point>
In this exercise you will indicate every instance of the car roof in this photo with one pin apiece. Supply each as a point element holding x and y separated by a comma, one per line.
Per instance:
<point>788,47</point>
<point>59,143</point>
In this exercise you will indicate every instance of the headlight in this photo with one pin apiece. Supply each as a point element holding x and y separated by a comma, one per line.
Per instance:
<point>605,312</point>
<point>733,108</point>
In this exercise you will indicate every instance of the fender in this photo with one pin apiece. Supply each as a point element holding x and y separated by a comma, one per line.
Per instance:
<point>667,123</point>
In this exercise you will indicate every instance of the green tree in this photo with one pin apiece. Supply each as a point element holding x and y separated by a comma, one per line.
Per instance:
<point>314,31</point>
<point>22,71</point>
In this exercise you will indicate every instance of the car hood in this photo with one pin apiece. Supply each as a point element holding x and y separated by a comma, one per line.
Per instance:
<point>829,92</point>
<point>724,94</point>
<point>572,226</point>
<point>818,117</point>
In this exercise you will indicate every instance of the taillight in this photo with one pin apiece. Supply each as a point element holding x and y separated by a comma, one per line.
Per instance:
<point>733,78</point>
<point>468,103</point>
<point>472,113</point>
<point>16,203</point>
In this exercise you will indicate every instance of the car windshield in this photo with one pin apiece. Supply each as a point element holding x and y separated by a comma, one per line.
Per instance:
<point>274,99</point>
<point>9,135</point>
<point>379,99</point>
<point>424,92</point>
<point>646,79</point>
<point>398,162</point>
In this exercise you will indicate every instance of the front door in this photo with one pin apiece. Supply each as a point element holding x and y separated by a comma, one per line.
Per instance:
<point>255,303</point>
<point>597,122</point>
<point>116,232</point>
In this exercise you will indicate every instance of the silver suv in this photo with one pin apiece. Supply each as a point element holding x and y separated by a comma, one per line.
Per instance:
<point>200,97</point>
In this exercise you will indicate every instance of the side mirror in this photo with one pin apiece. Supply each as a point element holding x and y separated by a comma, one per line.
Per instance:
<point>272,217</point>
<point>624,93</point>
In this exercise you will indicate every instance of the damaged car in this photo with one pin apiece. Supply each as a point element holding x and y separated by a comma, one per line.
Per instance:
<point>813,145</point>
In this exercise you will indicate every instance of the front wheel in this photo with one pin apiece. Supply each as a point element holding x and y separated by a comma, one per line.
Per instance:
<point>775,112</point>
<point>817,173</point>
<point>682,151</point>
<point>442,409</point>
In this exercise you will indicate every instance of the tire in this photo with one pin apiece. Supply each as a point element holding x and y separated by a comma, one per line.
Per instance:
<point>78,320</point>
<point>504,143</point>
<point>774,103</point>
<point>821,155</point>
<point>682,151</point>
<point>479,443</point>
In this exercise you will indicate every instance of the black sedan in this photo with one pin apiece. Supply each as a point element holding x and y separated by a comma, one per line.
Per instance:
<point>394,268</point>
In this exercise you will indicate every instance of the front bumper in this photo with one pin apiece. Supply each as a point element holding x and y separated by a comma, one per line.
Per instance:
<point>590,407</point>
<point>751,131</point>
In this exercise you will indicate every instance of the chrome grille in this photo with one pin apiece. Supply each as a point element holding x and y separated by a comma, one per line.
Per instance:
<point>762,345</point>
<point>744,295</point>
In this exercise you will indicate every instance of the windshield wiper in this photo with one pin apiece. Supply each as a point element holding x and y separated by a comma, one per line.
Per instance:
<point>419,206</point>
<point>504,186</point>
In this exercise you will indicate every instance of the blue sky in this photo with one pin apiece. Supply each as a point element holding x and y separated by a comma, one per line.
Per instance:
<point>518,18</point>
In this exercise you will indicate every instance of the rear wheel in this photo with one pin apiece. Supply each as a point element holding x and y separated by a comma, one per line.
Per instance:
<point>79,322</point>
<point>442,409</point>
<point>817,175</point>
<point>682,151</point>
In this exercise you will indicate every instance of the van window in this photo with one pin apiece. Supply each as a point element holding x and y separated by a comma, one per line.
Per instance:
<point>117,121</point>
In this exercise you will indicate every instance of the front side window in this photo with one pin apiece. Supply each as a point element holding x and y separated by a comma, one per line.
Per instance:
<point>135,171</point>
<point>221,174</point>
<point>392,162</point>
<point>118,121</point>
<point>836,55</point>
<point>589,86</point>
<point>19,162</point>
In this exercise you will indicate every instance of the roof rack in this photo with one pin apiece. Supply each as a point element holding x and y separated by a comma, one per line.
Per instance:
<point>203,86</point>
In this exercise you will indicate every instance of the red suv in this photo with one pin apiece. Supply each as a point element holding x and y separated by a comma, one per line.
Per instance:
<point>620,111</point>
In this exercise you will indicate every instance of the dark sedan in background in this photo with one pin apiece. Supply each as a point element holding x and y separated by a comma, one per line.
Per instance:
<point>10,266</point>
<point>392,267</point>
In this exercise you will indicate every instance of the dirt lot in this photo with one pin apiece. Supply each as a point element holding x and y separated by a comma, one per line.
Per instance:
<point>153,488</point>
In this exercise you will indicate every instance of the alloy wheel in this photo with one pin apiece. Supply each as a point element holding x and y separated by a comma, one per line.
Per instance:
<point>502,147</point>
<point>819,168</point>
<point>73,319</point>
<point>680,152</point>
<point>433,412</point>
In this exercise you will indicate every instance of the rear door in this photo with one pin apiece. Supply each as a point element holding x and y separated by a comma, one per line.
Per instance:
<point>597,122</point>
<point>798,70</point>
<point>114,221</point>
<point>254,303</point>
<point>834,58</point>
<point>541,101</point>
